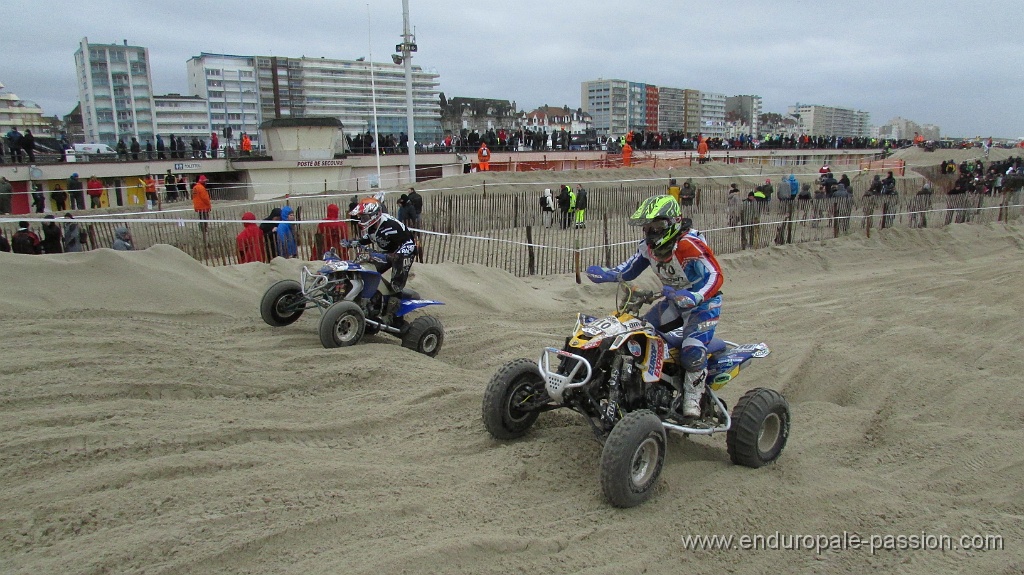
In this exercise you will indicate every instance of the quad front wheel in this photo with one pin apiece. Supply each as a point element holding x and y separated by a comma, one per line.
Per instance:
<point>342,325</point>
<point>760,428</point>
<point>633,456</point>
<point>515,383</point>
<point>282,303</point>
<point>424,335</point>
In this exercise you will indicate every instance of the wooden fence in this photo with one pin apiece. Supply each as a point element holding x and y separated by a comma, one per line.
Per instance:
<point>507,230</point>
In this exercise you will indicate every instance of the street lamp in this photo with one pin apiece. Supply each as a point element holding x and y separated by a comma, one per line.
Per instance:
<point>406,48</point>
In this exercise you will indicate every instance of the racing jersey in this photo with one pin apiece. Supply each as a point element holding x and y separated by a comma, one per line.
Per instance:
<point>692,266</point>
<point>390,236</point>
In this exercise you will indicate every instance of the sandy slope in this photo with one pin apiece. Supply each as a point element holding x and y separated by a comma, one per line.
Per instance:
<point>152,423</point>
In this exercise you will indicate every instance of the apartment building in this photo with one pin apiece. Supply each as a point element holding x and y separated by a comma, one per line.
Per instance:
<point>712,114</point>
<point>816,120</point>
<point>745,111</point>
<point>22,114</point>
<point>671,110</point>
<point>228,85</point>
<point>115,89</point>
<point>184,116</point>
<point>350,90</point>
<point>619,106</point>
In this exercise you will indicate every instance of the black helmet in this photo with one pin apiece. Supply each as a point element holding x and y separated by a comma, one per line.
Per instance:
<point>685,224</point>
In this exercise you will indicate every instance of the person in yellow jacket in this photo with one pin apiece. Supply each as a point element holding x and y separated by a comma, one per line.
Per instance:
<point>580,205</point>
<point>572,205</point>
<point>673,189</point>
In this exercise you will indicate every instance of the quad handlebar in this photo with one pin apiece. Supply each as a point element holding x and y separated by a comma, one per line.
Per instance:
<point>630,299</point>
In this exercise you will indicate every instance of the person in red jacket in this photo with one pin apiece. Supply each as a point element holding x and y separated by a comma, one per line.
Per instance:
<point>201,201</point>
<point>214,144</point>
<point>250,241</point>
<point>95,190</point>
<point>483,156</point>
<point>332,231</point>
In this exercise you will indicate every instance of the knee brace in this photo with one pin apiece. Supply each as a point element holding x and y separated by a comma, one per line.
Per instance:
<point>693,356</point>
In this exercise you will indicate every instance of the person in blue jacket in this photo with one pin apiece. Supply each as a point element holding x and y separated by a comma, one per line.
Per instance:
<point>286,244</point>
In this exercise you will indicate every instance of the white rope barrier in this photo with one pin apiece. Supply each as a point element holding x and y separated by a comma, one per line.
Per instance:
<point>180,221</point>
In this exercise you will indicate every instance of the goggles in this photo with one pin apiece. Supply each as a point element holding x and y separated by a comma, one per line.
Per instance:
<point>656,228</point>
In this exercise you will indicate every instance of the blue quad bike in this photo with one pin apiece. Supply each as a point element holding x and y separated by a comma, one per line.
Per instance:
<point>354,300</point>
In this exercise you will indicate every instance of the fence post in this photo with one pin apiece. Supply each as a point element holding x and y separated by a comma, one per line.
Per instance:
<point>789,219</point>
<point>607,244</point>
<point>451,216</point>
<point>531,260</point>
<point>485,188</point>
<point>835,218</point>
<point>576,260</point>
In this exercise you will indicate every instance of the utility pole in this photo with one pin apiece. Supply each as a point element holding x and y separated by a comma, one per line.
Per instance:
<point>407,47</point>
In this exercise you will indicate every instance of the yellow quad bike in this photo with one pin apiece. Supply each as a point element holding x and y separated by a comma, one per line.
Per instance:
<point>618,372</point>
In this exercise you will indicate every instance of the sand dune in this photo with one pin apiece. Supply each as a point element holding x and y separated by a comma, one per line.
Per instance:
<point>152,423</point>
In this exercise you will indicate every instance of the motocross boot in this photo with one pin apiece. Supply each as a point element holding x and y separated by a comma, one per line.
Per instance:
<point>693,390</point>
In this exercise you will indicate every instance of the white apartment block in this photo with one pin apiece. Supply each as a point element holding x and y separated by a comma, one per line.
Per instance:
<point>815,120</point>
<point>349,89</point>
<point>712,114</point>
<point>243,91</point>
<point>607,102</point>
<point>184,116</point>
<point>228,85</point>
<point>116,92</point>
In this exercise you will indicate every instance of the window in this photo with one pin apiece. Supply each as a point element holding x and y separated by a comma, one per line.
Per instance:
<point>212,72</point>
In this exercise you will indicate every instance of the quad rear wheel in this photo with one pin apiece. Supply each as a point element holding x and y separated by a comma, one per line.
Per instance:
<point>424,335</point>
<point>342,325</point>
<point>282,303</point>
<point>760,428</point>
<point>633,456</point>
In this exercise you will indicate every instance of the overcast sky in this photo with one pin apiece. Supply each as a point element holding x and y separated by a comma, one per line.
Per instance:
<point>953,64</point>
